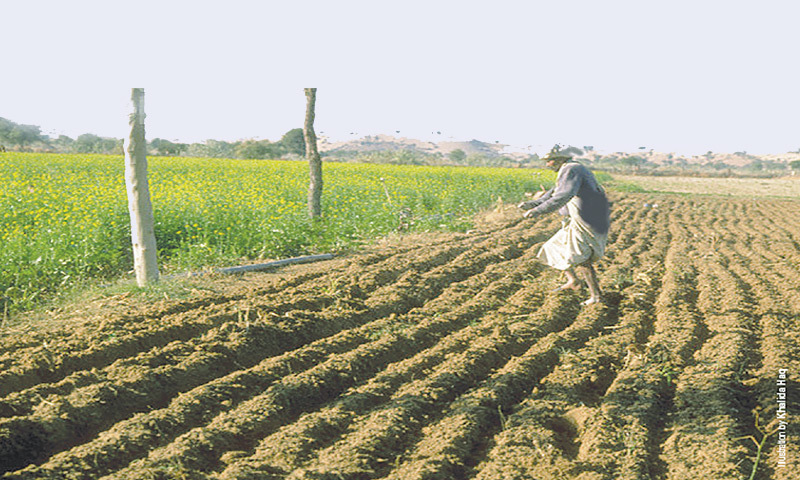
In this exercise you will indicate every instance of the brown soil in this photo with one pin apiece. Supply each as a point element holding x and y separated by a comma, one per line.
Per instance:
<point>441,356</point>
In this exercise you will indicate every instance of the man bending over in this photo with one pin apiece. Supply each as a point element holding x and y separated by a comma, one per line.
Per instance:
<point>582,238</point>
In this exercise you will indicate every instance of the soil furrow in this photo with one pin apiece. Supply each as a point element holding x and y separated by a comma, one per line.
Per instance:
<point>88,329</point>
<point>202,404</point>
<point>48,362</point>
<point>342,295</point>
<point>439,356</point>
<point>55,429</point>
<point>711,404</point>
<point>450,446</point>
<point>613,438</point>
<point>320,383</point>
<point>548,434</point>
<point>381,436</point>
<point>289,447</point>
<point>780,366</point>
<point>200,448</point>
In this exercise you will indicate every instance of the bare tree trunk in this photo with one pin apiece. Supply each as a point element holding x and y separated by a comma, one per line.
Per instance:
<point>312,154</point>
<point>145,262</point>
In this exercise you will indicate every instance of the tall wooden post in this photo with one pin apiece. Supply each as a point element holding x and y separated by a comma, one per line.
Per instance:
<point>312,154</point>
<point>143,237</point>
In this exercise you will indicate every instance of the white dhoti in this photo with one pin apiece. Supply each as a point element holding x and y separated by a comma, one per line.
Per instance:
<point>574,244</point>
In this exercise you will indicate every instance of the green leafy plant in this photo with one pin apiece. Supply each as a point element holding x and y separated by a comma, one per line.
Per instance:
<point>765,432</point>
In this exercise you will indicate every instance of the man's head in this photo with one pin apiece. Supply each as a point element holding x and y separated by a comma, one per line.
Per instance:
<point>555,158</point>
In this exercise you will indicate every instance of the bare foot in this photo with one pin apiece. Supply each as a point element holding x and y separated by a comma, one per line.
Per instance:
<point>568,286</point>
<point>592,301</point>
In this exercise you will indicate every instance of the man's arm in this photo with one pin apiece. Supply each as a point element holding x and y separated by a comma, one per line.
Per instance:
<point>567,187</point>
<point>537,201</point>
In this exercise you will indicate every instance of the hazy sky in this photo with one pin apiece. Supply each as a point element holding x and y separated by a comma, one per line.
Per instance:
<point>677,76</point>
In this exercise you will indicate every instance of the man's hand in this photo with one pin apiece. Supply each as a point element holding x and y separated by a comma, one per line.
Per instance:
<point>531,214</point>
<point>540,193</point>
<point>533,202</point>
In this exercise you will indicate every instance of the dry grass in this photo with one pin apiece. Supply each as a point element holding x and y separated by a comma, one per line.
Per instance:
<point>756,187</point>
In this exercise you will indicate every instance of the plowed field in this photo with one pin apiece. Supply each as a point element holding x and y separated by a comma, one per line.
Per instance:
<point>445,357</point>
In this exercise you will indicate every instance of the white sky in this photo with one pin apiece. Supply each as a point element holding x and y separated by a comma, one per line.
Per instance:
<point>678,76</point>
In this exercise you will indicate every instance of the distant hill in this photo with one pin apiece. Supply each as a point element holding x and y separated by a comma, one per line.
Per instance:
<point>382,143</point>
<point>718,160</point>
<point>389,149</point>
<point>638,159</point>
<point>378,143</point>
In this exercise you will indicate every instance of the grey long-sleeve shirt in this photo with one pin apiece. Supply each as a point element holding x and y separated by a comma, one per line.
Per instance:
<point>575,180</point>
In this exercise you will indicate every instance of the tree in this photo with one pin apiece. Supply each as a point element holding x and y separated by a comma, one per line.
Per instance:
<point>756,165</point>
<point>165,147</point>
<point>776,165</point>
<point>294,140</point>
<point>632,161</point>
<point>312,154</point>
<point>143,236</point>
<point>250,149</point>
<point>457,156</point>
<point>64,142</point>
<point>718,165</point>
<point>212,148</point>
<point>16,134</point>
<point>794,164</point>
<point>87,143</point>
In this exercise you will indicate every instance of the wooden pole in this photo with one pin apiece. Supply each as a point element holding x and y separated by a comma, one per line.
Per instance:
<point>143,238</point>
<point>312,154</point>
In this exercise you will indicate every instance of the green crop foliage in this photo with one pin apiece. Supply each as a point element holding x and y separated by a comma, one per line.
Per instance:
<point>64,218</point>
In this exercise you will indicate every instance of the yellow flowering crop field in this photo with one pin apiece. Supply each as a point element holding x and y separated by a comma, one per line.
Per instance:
<point>64,218</point>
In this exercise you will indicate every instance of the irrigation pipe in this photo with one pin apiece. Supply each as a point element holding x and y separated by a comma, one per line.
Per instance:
<point>277,263</point>
<point>262,266</point>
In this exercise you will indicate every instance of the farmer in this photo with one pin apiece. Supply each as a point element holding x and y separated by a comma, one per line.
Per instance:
<point>585,209</point>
